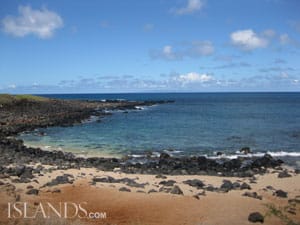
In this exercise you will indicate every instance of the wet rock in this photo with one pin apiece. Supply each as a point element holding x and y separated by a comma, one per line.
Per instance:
<point>256,217</point>
<point>164,155</point>
<point>266,161</point>
<point>245,150</point>
<point>194,183</point>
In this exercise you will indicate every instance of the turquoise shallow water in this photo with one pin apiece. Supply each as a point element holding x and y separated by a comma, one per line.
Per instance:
<point>197,123</point>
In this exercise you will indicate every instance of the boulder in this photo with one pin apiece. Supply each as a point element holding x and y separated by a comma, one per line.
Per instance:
<point>176,190</point>
<point>256,217</point>
<point>194,183</point>
<point>280,194</point>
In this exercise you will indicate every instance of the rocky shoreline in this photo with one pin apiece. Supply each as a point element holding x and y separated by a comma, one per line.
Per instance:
<point>27,115</point>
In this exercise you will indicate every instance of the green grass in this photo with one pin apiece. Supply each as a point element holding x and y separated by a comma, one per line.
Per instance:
<point>280,213</point>
<point>8,99</point>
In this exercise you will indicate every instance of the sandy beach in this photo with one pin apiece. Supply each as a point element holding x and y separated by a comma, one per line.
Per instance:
<point>138,206</point>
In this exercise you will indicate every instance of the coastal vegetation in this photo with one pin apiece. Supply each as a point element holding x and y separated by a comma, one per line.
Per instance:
<point>9,99</point>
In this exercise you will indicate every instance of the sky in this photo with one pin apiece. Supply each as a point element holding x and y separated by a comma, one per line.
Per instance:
<point>63,46</point>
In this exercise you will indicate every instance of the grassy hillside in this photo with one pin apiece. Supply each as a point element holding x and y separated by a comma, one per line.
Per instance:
<point>8,99</point>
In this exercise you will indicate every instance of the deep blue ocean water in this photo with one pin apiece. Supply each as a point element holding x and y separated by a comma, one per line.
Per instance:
<point>196,124</point>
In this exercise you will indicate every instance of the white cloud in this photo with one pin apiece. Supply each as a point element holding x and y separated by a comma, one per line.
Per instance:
<point>167,51</point>
<point>193,77</point>
<point>191,7</point>
<point>42,22</point>
<point>248,40</point>
<point>12,86</point>
<point>284,39</point>
<point>193,49</point>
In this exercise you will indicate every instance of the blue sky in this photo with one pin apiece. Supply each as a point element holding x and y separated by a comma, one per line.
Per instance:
<point>61,46</point>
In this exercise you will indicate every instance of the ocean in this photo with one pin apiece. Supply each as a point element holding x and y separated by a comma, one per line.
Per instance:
<point>195,124</point>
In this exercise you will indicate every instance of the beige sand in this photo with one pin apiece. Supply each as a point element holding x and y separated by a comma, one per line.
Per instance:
<point>134,208</point>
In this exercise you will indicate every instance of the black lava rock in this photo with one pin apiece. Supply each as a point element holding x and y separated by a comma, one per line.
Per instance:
<point>256,217</point>
<point>281,194</point>
<point>176,190</point>
<point>194,183</point>
<point>33,191</point>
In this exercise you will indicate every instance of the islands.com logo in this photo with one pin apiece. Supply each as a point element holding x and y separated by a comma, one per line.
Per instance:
<point>66,210</point>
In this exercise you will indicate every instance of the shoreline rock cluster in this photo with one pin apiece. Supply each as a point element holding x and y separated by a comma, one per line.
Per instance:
<point>28,115</point>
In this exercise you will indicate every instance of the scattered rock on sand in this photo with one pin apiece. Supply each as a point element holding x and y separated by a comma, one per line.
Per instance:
<point>284,174</point>
<point>125,189</point>
<point>196,197</point>
<point>160,176</point>
<point>227,185</point>
<point>256,217</point>
<point>127,181</point>
<point>64,179</point>
<point>33,191</point>
<point>176,190</point>
<point>167,183</point>
<point>194,183</point>
<point>165,189</point>
<point>152,191</point>
<point>56,190</point>
<point>252,195</point>
<point>280,193</point>
<point>245,186</point>
<point>18,197</point>
<point>236,185</point>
